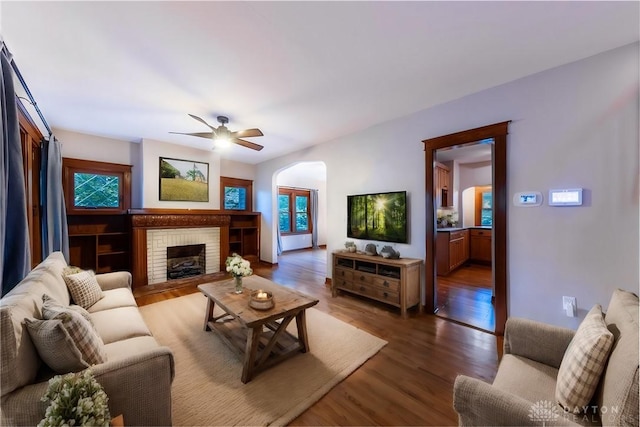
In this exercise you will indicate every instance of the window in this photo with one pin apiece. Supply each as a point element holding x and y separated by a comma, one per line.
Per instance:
<point>487,211</point>
<point>96,187</point>
<point>294,216</point>
<point>483,206</point>
<point>236,194</point>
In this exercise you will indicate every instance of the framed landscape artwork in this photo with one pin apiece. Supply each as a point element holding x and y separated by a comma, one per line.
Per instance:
<point>184,180</point>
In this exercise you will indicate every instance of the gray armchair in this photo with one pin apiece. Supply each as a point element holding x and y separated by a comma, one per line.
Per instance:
<point>523,392</point>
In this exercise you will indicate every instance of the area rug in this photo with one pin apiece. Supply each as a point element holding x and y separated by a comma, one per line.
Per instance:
<point>207,390</point>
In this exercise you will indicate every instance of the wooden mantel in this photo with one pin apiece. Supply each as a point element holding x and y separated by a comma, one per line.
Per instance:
<point>143,219</point>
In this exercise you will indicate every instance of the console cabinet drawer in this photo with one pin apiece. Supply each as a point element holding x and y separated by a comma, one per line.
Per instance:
<point>392,281</point>
<point>388,296</point>
<point>342,273</point>
<point>387,284</point>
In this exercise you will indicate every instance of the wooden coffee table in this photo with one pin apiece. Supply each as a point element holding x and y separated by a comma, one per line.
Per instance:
<point>259,336</point>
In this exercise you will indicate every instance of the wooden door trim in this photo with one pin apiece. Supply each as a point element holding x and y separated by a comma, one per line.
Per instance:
<point>30,140</point>
<point>498,132</point>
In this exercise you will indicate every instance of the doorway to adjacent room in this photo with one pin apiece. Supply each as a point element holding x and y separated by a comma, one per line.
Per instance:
<point>460,234</point>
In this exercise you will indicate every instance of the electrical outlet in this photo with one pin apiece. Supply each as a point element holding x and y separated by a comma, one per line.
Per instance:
<point>570,306</point>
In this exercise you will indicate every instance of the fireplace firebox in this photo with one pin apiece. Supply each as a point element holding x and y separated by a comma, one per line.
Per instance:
<point>185,261</point>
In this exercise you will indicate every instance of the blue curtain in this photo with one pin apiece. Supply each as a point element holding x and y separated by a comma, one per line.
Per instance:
<point>279,241</point>
<point>55,235</point>
<point>15,252</point>
<point>314,219</point>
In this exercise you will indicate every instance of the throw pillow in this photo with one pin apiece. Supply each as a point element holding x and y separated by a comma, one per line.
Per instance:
<point>55,346</point>
<point>51,308</point>
<point>583,362</point>
<point>82,335</point>
<point>84,288</point>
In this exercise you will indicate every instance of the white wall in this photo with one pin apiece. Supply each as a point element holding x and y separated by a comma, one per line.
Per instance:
<point>90,147</point>
<point>467,213</point>
<point>572,126</point>
<point>151,151</point>
<point>232,169</point>
<point>470,175</point>
<point>78,145</point>
<point>145,165</point>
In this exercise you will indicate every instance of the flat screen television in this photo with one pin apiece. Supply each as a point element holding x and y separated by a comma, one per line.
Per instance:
<point>378,216</point>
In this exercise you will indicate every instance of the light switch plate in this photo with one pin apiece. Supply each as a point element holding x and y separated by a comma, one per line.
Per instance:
<point>570,306</point>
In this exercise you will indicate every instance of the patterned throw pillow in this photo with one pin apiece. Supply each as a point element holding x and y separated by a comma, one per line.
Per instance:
<point>55,346</point>
<point>70,334</point>
<point>583,362</point>
<point>51,308</point>
<point>84,288</point>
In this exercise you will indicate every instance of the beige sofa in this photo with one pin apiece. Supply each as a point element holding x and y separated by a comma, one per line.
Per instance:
<point>524,390</point>
<point>138,372</point>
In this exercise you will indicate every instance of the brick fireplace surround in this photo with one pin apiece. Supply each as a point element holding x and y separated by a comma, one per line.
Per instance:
<point>181,226</point>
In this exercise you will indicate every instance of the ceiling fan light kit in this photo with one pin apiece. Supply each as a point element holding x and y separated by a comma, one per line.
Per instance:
<point>222,137</point>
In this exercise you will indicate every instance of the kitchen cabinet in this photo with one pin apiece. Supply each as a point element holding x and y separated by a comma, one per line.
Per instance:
<point>452,250</point>
<point>441,180</point>
<point>480,245</point>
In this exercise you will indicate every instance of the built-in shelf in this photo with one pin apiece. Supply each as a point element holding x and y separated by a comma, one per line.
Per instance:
<point>244,235</point>
<point>99,242</point>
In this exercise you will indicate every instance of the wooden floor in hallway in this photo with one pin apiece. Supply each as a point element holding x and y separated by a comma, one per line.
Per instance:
<point>410,381</point>
<point>464,295</point>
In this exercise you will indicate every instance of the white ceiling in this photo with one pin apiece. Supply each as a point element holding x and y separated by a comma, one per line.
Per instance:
<point>302,72</point>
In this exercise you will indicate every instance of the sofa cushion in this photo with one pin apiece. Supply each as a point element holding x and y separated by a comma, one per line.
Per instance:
<point>114,298</point>
<point>119,324</point>
<point>55,346</point>
<point>540,381</point>
<point>123,349</point>
<point>19,360</point>
<point>84,288</point>
<point>618,394</point>
<point>583,362</point>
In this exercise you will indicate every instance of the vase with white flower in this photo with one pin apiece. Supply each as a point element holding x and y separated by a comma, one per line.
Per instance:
<point>238,267</point>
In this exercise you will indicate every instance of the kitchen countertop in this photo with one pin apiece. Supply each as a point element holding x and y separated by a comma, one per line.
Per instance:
<point>449,229</point>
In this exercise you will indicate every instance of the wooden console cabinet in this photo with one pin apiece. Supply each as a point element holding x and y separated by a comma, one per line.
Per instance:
<point>393,281</point>
<point>452,250</point>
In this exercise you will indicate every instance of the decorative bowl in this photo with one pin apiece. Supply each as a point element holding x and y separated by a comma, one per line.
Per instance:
<point>261,300</point>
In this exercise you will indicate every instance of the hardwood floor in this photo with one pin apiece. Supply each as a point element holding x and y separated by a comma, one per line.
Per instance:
<point>410,381</point>
<point>465,296</point>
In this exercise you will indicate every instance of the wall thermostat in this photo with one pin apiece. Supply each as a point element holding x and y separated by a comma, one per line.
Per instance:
<point>527,198</point>
<point>565,197</point>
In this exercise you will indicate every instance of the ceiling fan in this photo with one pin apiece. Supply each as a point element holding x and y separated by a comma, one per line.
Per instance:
<point>222,134</point>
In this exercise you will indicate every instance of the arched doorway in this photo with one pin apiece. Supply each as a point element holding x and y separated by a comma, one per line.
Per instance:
<point>293,183</point>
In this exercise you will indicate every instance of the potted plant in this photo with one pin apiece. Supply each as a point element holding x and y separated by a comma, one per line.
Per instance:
<point>75,399</point>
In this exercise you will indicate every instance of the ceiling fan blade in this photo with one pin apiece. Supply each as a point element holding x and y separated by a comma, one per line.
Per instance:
<point>208,135</point>
<point>247,133</point>
<point>202,121</point>
<point>247,144</point>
